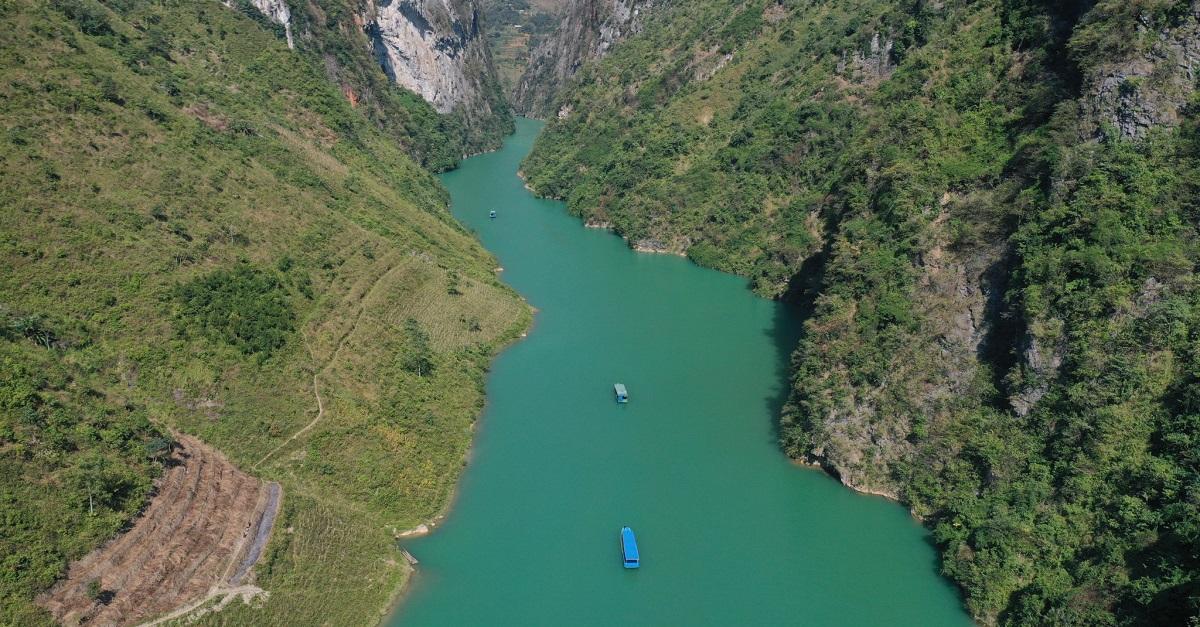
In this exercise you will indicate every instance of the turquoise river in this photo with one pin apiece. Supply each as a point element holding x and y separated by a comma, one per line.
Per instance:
<point>731,532</point>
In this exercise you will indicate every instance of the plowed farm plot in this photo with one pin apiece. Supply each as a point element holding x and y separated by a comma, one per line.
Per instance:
<point>202,532</point>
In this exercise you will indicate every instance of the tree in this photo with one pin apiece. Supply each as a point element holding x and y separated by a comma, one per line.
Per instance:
<point>94,477</point>
<point>244,307</point>
<point>32,327</point>
<point>417,356</point>
<point>94,589</point>
<point>160,448</point>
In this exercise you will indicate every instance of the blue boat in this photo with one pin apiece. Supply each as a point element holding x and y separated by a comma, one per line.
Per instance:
<point>622,395</point>
<point>629,550</point>
<point>492,214</point>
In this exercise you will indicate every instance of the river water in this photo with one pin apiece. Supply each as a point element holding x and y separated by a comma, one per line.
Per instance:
<point>730,532</point>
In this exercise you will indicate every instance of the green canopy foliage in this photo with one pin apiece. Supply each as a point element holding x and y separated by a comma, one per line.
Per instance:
<point>1000,292</point>
<point>74,466</point>
<point>244,307</point>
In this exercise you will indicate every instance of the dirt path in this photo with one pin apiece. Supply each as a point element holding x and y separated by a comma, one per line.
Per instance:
<point>226,594</point>
<point>305,429</point>
<point>362,307</point>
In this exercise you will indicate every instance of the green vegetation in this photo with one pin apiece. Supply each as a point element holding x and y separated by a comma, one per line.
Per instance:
<point>201,235</point>
<point>331,38</point>
<point>244,307</point>
<point>999,285</point>
<point>94,589</point>
<point>75,463</point>
<point>416,356</point>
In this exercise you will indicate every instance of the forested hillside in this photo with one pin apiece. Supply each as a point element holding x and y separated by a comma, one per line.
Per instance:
<point>987,213</point>
<point>201,235</point>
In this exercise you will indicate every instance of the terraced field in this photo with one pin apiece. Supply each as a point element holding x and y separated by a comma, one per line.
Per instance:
<point>199,538</point>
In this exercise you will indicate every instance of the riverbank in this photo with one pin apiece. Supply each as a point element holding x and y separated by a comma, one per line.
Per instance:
<point>515,334</point>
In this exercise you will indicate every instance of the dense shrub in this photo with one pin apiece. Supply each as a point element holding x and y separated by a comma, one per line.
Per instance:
<point>89,15</point>
<point>244,307</point>
<point>74,467</point>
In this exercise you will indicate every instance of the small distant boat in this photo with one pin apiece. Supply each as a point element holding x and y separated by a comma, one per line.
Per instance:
<point>629,549</point>
<point>492,214</point>
<point>622,394</point>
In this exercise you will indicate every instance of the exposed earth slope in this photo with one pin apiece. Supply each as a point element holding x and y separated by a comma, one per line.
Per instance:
<point>203,531</point>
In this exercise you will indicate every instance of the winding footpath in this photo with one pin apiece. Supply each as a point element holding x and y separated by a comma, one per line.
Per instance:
<point>362,306</point>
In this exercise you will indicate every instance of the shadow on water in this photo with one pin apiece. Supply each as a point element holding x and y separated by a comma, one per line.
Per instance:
<point>787,326</point>
<point>795,307</point>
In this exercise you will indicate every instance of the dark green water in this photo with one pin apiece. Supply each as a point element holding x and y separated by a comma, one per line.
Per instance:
<point>731,533</point>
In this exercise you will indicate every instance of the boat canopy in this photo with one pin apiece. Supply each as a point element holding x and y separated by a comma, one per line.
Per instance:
<point>629,548</point>
<point>622,394</point>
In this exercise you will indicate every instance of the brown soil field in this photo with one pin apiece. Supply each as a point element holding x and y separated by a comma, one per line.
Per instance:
<point>202,531</point>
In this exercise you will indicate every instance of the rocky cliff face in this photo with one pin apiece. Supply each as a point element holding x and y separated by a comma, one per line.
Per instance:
<point>1140,84</point>
<point>588,31</point>
<point>436,49</point>
<point>433,48</point>
<point>1153,82</point>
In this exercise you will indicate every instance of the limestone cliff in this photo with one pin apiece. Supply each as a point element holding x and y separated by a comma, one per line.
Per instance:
<point>1142,83</point>
<point>588,31</point>
<point>1150,84</point>
<point>278,12</point>
<point>433,48</point>
<point>436,49</point>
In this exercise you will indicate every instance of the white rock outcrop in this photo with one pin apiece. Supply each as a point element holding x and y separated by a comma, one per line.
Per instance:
<point>278,12</point>
<point>433,48</point>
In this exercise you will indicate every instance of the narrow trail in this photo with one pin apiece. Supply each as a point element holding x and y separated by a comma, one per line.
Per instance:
<point>224,592</point>
<point>328,363</point>
<point>230,587</point>
<point>306,428</point>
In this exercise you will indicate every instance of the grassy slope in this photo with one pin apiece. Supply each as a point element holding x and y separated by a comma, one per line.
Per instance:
<point>954,198</point>
<point>170,141</point>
